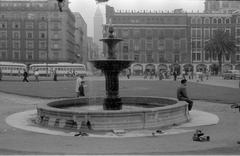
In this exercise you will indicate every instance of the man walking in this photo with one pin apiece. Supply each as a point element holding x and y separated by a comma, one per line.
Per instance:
<point>182,94</point>
<point>25,75</point>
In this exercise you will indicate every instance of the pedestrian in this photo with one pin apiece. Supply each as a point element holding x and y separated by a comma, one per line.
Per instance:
<point>175,75</point>
<point>79,80</point>
<point>182,94</point>
<point>36,74</point>
<point>25,76</point>
<point>55,75</point>
<point>81,89</point>
<point>128,73</point>
<point>0,74</point>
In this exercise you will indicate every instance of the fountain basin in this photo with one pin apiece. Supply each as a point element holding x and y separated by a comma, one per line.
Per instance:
<point>111,64</point>
<point>151,112</point>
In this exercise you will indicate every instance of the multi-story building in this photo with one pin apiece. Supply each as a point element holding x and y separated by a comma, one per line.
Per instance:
<point>172,40</point>
<point>80,38</point>
<point>98,27</point>
<point>35,31</point>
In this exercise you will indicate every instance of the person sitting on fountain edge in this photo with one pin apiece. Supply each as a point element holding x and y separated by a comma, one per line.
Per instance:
<point>182,94</point>
<point>79,80</point>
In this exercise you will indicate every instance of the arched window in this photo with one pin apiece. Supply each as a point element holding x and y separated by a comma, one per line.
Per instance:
<point>206,20</point>
<point>193,20</point>
<point>227,21</point>
<point>219,21</point>
<point>199,20</point>
<point>214,21</point>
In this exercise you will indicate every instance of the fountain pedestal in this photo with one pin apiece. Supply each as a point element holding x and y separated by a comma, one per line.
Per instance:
<point>111,69</point>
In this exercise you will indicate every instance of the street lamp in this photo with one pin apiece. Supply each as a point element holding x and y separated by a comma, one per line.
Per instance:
<point>61,3</point>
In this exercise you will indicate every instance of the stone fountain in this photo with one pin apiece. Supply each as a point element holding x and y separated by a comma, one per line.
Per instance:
<point>128,113</point>
<point>111,67</point>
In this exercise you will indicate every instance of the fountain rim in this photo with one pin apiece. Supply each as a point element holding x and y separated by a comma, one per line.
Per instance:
<point>46,106</point>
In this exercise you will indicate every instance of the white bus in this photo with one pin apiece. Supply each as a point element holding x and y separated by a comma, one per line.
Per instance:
<point>12,68</point>
<point>67,69</point>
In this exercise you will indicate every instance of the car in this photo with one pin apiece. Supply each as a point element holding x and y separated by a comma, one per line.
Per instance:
<point>232,74</point>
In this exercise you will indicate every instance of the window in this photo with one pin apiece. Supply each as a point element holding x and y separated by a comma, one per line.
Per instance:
<point>227,57</point>
<point>42,55</point>
<point>29,25</point>
<point>56,35</point>
<point>238,57</point>
<point>124,33</point>
<point>29,35</point>
<point>177,44</point>
<point>214,21</point>
<point>237,31</point>
<point>125,47</point>
<point>16,25</point>
<point>206,33</point>
<point>207,21</point>
<point>29,45</point>
<point>3,54</point>
<point>193,20</point>
<point>136,45</point>
<point>228,31</point>
<point>42,45</point>
<point>149,58</point>
<point>42,35</point>
<point>42,25</point>
<point>30,16</point>
<point>238,20</point>
<point>55,46</point>
<point>161,45</point>
<point>29,55</point>
<point>3,44</point>
<point>196,56</point>
<point>16,44</point>
<point>16,54</point>
<point>137,58</point>
<point>206,56</point>
<point>3,34</point>
<point>176,58</point>
<point>196,33</point>
<point>3,25</point>
<point>196,44</point>
<point>16,34</point>
<point>219,21</point>
<point>161,58</point>
<point>227,21</point>
<point>149,45</point>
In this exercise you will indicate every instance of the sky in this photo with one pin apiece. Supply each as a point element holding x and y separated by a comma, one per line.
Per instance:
<point>87,8</point>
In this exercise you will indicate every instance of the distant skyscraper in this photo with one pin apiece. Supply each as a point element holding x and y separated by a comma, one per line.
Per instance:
<point>98,27</point>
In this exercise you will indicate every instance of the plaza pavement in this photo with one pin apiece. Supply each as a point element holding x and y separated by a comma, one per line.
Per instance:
<point>224,135</point>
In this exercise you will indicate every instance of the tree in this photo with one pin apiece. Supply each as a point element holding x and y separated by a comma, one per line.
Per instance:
<point>221,44</point>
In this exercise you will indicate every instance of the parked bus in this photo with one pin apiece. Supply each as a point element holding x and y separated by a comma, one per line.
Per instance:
<point>62,69</point>
<point>12,68</point>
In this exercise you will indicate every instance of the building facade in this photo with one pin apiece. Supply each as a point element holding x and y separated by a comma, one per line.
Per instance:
<point>35,31</point>
<point>172,40</point>
<point>80,39</point>
<point>98,27</point>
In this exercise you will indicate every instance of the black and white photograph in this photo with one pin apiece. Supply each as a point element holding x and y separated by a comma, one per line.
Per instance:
<point>119,77</point>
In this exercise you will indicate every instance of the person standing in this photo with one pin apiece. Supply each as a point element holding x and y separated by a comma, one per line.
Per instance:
<point>0,74</point>
<point>182,94</point>
<point>175,75</point>
<point>25,76</point>
<point>55,75</point>
<point>81,89</point>
<point>36,74</point>
<point>79,80</point>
